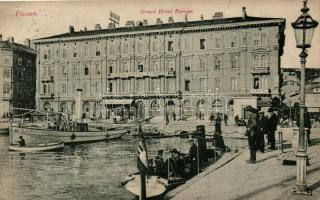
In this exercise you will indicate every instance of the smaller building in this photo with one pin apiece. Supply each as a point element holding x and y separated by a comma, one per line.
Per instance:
<point>18,76</point>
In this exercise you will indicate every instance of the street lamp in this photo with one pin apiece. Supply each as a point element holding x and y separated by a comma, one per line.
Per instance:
<point>304,28</point>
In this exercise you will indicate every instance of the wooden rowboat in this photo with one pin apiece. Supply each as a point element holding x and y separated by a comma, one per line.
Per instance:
<point>37,147</point>
<point>155,186</point>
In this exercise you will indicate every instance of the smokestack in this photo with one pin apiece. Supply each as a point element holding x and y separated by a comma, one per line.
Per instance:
<point>0,37</point>
<point>244,13</point>
<point>201,17</point>
<point>186,18</point>
<point>78,104</point>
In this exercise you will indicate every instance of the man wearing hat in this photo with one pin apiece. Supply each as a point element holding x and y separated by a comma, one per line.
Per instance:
<point>272,127</point>
<point>159,164</point>
<point>261,130</point>
<point>193,156</point>
<point>251,132</point>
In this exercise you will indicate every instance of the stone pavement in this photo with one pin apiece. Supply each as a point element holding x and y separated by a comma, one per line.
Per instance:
<point>267,179</point>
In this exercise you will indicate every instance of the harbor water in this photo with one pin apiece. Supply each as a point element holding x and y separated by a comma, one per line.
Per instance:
<point>86,171</point>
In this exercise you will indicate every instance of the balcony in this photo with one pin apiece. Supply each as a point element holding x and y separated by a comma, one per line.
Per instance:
<point>171,74</point>
<point>259,91</point>
<point>138,74</point>
<point>142,94</point>
<point>260,70</point>
<point>47,78</point>
<point>47,95</point>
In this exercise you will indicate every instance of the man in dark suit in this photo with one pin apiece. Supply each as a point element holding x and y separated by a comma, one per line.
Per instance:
<point>261,131</point>
<point>272,127</point>
<point>193,156</point>
<point>251,132</point>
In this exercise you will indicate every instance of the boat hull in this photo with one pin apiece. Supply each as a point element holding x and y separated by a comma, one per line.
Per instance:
<point>38,147</point>
<point>155,186</point>
<point>42,135</point>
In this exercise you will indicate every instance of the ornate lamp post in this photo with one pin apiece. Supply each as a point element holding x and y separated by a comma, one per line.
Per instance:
<point>304,28</point>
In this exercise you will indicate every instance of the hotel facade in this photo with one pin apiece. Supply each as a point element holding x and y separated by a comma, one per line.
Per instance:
<point>140,70</point>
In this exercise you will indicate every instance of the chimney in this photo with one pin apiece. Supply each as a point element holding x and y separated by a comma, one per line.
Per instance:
<point>71,29</point>
<point>27,42</point>
<point>85,29</point>
<point>244,13</point>
<point>0,37</point>
<point>158,21</point>
<point>130,23</point>
<point>201,17</point>
<point>11,40</point>
<point>139,23</point>
<point>170,20</point>
<point>145,22</point>
<point>186,18</point>
<point>97,27</point>
<point>111,26</point>
<point>217,15</point>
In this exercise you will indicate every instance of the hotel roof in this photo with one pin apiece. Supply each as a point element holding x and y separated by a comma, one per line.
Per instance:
<point>219,21</point>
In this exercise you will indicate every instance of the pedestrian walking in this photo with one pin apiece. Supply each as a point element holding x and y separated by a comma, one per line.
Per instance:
<point>167,118</point>
<point>225,118</point>
<point>272,127</point>
<point>251,132</point>
<point>236,120</point>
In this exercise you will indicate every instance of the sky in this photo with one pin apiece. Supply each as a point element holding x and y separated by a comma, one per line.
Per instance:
<point>55,17</point>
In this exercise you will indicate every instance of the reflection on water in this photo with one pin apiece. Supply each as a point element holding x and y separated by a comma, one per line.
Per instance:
<point>88,171</point>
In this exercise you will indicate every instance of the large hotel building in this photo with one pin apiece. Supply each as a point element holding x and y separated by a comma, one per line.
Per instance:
<point>189,67</point>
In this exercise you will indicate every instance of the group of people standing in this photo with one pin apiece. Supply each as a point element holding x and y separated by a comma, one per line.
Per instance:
<point>178,164</point>
<point>260,124</point>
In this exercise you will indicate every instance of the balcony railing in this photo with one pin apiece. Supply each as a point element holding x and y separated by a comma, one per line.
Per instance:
<point>47,95</point>
<point>260,70</point>
<point>47,78</point>
<point>135,94</point>
<point>135,74</point>
<point>259,91</point>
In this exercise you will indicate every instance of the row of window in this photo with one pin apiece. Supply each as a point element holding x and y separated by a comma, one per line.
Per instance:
<point>258,61</point>
<point>259,39</point>
<point>201,84</point>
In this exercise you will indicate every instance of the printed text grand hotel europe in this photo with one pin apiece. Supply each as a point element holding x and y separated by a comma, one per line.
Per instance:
<point>165,64</point>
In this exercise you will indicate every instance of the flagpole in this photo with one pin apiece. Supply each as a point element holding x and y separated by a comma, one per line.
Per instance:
<point>142,172</point>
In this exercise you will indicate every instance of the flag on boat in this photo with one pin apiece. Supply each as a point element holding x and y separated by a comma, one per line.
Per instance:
<point>142,162</point>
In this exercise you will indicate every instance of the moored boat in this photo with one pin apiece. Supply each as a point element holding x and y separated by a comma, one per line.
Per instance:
<point>37,147</point>
<point>43,134</point>
<point>155,186</point>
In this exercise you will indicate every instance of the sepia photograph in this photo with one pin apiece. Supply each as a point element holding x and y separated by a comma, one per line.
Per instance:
<point>159,100</point>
